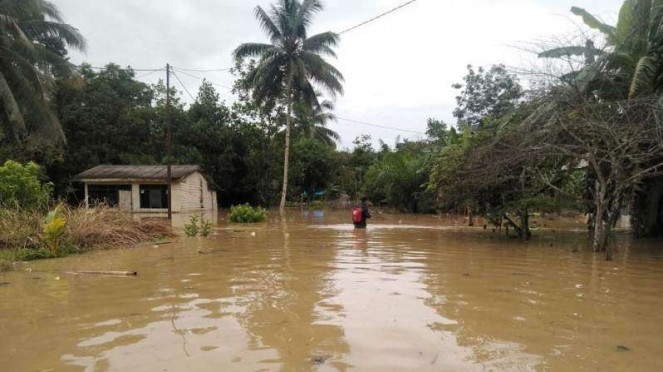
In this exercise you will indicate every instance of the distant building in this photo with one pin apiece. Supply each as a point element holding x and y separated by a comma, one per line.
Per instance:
<point>144,188</point>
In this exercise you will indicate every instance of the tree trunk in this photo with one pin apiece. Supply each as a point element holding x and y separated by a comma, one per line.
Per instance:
<point>525,233</point>
<point>599,242</point>
<point>613,215</point>
<point>286,156</point>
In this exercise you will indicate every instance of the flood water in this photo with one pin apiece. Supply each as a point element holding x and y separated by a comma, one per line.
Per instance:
<point>409,293</point>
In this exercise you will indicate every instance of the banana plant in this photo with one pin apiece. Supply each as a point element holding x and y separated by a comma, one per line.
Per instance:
<point>631,65</point>
<point>53,229</point>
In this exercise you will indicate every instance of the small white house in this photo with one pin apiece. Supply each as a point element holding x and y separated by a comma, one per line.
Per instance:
<point>144,188</point>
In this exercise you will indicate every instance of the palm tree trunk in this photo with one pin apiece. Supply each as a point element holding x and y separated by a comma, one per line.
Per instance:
<point>286,156</point>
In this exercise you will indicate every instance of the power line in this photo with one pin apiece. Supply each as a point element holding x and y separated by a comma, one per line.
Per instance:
<point>183,86</point>
<point>377,17</point>
<point>122,68</point>
<point>201,78</point>
<point>148,73</point>
<point>196,70</point>
<point>380,126</point>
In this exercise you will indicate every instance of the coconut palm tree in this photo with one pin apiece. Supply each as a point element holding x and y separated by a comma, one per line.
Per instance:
<point>312,122</point>
<point>292,63</point>
<point>33,37</point>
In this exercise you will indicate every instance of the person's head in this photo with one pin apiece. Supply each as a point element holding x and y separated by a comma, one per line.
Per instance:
<point>364,199</point>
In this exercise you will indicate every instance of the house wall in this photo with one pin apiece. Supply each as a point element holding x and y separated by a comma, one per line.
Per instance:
<point>190,191</point>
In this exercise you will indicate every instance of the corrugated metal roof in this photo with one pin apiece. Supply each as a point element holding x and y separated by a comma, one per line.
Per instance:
<point>150,172</point>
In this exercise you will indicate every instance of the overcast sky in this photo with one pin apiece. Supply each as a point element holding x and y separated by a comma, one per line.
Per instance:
<point>398,70</point>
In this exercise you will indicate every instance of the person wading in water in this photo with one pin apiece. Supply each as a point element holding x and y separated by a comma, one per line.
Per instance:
<point>360,214</point>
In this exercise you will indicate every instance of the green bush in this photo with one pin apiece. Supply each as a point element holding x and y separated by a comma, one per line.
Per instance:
<point>205,228</point>
<point>247,214</point>
<point>20,185</point>
<point>191,229</point>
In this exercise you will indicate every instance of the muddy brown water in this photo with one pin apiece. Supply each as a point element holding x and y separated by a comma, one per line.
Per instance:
<point>409,293</point>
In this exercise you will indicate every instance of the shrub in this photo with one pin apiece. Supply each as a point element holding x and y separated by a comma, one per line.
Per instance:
<point>205,228</point>
<point>20,185</point>
<point>247,214</point>
<point>191,229</point>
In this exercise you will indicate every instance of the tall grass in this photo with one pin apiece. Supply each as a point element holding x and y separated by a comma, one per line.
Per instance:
<point>22,236</point>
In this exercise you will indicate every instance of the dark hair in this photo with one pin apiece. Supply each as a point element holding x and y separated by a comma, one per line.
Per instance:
<point>364,199</point>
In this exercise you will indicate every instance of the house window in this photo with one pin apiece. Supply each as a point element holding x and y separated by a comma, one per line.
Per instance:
<point>105,194</point>
<point>153,196</point>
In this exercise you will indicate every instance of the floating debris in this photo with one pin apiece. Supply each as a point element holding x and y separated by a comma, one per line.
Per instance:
<point>318,360</point>
<point>116,273</point>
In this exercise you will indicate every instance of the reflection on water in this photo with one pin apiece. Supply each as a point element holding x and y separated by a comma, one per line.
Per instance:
<point>312,293</point>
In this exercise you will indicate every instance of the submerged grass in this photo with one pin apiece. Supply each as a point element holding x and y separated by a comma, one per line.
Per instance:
<point>21,233</point>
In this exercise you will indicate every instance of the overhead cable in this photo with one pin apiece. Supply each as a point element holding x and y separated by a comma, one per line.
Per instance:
<point>201,78</point>
<point>183,86</point>
<point>380,126</point>
<point>377,17</point>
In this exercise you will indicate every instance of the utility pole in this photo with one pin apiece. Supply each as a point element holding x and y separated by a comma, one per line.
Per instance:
<point>169,145</point>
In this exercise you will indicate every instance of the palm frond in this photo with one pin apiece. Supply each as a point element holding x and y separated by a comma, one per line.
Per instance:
<point>48,9</point>
<point>326,135</point>
<point>283,15</point>
<point>249,50</point>
<point>323,73</point>
<point>69,34</point>
<point>307,10</point>
<point>11,108</point>
<point>23,69</point>
<point>644,77</point>
<point>268,24</point>
<point>327,105</point>
<point>267,78</point>
<point>322,43</point>
<point>11,27</point>
<point>27,67</point>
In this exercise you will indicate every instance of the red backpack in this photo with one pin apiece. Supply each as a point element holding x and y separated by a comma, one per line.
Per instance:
<point>357,214</point>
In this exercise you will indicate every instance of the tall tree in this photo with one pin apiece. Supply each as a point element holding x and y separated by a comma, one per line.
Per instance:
<point>312,122</point>
<point>33,37</point>
<point>292,63</point>
<point>486,95</point>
